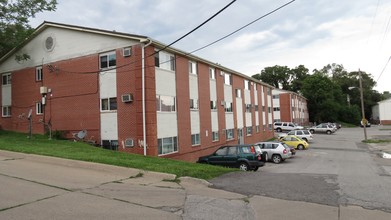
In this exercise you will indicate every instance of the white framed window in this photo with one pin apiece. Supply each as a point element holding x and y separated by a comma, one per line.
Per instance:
<point>256,108</point>
<point>108,60</point>
<point>212,73</point>
<point>228,107</point>
<point>215,135</point>
<point>192,67</point>
<point>227,79</point>
<point>109,104</point>
<point>213,105</point>
<point>165,60</point>
<point>269,109</point>
<point>165,103</point>
<point>269,91</point>
<point>276,109</point>
<point>248,107</point>
<point>249,131</point>
<point>6,79</point>
<point>6,111</point>
<point>38,74</point>
<point>276,96</point>
<point>194,104</point>
<point>38,108</point>
<point>238,93</point>
<point>229,134</point>
<point>257,128</point>
<point>270,127</point>
<point>167,145</point>
<point>195,139</point>
<point>247,85</point>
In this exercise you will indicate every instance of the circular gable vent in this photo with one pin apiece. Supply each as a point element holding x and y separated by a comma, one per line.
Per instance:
<point>49,43</point>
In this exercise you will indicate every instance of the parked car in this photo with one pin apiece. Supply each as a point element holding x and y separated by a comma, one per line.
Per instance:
<point>303,134</point>
<point>244,157</point>
<point>295,142</point>
<point>275,151</point>
<point>286,126</point>
<point>323,128</point>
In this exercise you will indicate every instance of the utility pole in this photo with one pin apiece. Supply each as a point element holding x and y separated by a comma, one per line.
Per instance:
<point>364,120</point>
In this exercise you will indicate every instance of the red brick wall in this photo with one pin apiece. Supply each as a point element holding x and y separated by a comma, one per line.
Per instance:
<point>285,107</point>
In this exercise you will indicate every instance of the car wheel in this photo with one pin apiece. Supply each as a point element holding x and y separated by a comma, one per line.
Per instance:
<point>255,169</point>
<point>276,158</point>
<point>328,132</point>
<point>300,147</point>
<point>243,166</point>
<point>279,129</point>
<point>312,131</point>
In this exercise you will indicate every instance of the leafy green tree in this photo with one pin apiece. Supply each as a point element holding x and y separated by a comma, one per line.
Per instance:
<point>275,76</point>
<point>298,75</point>
<point>14,17</point>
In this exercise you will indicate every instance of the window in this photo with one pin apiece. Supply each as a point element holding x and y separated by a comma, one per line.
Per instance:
<point>222,151</point>
<point>269,91</point>
<point>257,128</point>
<point>269,109</point>
<point>212,73</point>
<point>38,73</point>
<point>232,151</point>
<point>263,108</point>
<point>195,139</point>
<point>110,144</point>
<point>108,60</point>
<point>227,79</point>
<point>192,67</point>
<point>276,109</point>
<point>215,135</point>
<point>238,93</point>
<point>270,127</point>
<point>228,107</point>
<point>167,145</point>
<point>229,134</point>
<point>165,103</point>
<point>247,85</point>
<point>213,105</point>
<point>109,104</point>
<point>194,104</point>
<point>6,79</point>
<point>165,60</point>
<point>6,112</point>
<point>256,108</point>
<point>249,131</point>
<point>276,96</point>
<point>248,107</point>
<point>38,108</point>
<point>255,87</point>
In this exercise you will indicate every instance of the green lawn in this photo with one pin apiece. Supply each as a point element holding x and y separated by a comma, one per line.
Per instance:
<point>39,144</point>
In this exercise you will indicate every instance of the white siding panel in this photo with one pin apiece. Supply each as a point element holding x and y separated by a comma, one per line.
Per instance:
<point>228,93</point>
<point>247,96</point>
<point>109,126</point>
<point>229,121</point>
<point>256,118</point>
<point>167,125</point>
<point>239,112</point>
<point>165,82</point>
<point>193,81</point>
<point>255,98</point>
<point>212,86</point>
<point>249,121</point>
<point>215,121</point>
<point>108,84</point>
<point>195,122</point>
<point>6,95</point>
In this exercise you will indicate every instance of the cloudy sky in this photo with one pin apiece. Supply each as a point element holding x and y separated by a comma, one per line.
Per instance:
<point>314,33</point>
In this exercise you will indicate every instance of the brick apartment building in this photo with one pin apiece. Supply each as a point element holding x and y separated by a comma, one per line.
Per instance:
<point>129,95</point>
<point>289,106</point>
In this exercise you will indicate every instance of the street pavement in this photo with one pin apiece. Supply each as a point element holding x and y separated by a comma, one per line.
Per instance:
<point>39,187</point>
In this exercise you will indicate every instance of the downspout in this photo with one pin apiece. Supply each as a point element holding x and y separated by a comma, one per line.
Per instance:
<point>143,91</point>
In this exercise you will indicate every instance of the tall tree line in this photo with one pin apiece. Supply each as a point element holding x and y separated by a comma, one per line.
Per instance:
<point>332,93</point>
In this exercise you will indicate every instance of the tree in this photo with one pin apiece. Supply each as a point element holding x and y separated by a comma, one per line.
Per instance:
<point>14,17</point>
<point>277,76</point>
<point>298,74</point>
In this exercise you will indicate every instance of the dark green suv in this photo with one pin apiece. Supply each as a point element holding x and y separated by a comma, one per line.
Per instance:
<point>244,157</point>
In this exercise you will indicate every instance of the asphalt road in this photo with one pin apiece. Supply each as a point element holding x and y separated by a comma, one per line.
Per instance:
<point>337,169</point>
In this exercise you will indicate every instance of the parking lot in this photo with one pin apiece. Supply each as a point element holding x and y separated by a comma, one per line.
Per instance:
<point>337,169</point>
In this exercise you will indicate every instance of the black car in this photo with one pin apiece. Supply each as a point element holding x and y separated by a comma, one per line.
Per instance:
<point>244,157</point>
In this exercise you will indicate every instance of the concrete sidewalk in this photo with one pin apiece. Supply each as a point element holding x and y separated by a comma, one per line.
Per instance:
<point>38,187</point>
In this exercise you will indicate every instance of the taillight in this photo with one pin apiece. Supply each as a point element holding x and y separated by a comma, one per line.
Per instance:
<point>259,157</point>
<point>284,151</point>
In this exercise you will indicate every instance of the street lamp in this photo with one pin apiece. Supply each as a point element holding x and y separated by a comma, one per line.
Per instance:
<point>363,120</point>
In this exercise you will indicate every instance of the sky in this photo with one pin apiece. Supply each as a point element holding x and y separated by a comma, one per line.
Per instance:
<point>313,33</point>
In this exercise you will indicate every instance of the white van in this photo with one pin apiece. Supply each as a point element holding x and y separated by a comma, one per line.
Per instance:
<point>286,126</point>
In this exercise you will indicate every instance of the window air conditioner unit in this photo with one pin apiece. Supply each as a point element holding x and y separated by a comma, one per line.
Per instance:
<point>129,142</point>
<point>222,103</point>
<point>127,52</point>
<point>43,90</point>
<point>127,98</point>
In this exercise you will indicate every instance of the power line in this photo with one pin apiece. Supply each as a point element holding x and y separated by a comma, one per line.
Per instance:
<point>384,68</point>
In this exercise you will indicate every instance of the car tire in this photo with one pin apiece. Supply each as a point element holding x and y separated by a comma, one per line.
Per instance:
<point>312,131</point>
<point>276,158</point>
<point>328,132</point>
<point>300,147</point>
<point>255,169</point>
<point>243,166</point>
<point>279,130</point>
